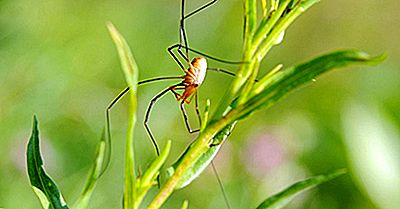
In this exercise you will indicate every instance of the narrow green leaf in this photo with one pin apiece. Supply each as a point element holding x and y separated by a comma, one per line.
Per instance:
<point>152,172</point>
<point>185,204</point>
<point>206,115</point>
<point>264,8</point>
<point>284,81</point>
<point>203,161</point>
<point>267,25</point>
<point>131,75</point>
<point>250,7</point>
<point>275,32</point>
<point>282,198</point>
<point>149,178</point>
<point>128,63</point>
<point>95,173</point>
<point>44,187</point>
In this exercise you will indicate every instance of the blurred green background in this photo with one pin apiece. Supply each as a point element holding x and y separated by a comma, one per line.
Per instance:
<point>58,61</point>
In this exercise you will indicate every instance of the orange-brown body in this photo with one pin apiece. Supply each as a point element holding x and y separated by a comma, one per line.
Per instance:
<point>194,77</point>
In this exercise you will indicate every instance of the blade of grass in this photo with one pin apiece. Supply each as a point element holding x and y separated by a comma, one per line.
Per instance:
<point>45,188</point>
<point>131,75</point>
<point>282,198</point>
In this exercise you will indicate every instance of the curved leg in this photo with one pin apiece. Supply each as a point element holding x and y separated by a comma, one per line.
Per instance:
<point>146,119</point>
<point>221,185</point>
<point>182,31</point>
<point>196,103</point>
<point>108,129</point>
<point>108,109</point>
<point>158,79</point>
<point>169,49</point>
<point>200,8</point>
<point>186,118</point>
<point>202,54</point>
<point>220,70</point>
<point>113,103</point>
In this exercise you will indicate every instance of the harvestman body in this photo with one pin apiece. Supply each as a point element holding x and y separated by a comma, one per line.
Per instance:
<point>194,78</point>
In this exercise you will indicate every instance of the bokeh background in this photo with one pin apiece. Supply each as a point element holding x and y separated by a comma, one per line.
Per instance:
<point>58,61</point>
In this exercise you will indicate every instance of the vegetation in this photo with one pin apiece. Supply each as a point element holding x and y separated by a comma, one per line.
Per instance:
<point>245,96</point>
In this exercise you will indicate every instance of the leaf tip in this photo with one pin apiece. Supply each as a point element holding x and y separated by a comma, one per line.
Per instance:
<point>110,26</point>
<point>372,60</point>
<point>339,172</point>
<point>378,59</point>
<point>168,146</point>
<point>35,120</point>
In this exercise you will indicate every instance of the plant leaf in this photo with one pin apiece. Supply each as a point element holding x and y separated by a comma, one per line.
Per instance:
<point>131,75</point>
<point>149,177</point>
<point>284,81</point>
<point>94,175</point>
<point>294,10</point>
<point>185,204</point>
<point>128,63</point>
<point>203,161</point>
<point>282,198</point>
<point>44,187</point>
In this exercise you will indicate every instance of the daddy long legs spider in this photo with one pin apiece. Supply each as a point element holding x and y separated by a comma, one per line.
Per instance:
<point>192,79</point>
<point>194,76</point>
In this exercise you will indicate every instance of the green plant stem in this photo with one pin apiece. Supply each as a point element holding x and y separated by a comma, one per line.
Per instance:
<point>244,72</point>
<point>267,24</point>
<point>129,177</point>
<point>281,26</point>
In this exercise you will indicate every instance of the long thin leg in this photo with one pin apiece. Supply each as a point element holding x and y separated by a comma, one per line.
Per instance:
<point>186,118</point>
<point>111,105</point>
<point>196,103</point>
<point>146,119</point>
<point>182,31</point>
<point>176,58</point>
<point>114,102</point>
<point>120,95</point>
<point>200,8</point>
<point>220,185</point>
<point>203,54</point>
<point>108,129</point>
<point>158,79</point>
<point>220,70</point>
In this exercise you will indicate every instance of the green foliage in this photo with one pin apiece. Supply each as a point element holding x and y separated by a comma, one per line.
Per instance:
<point>45,188</point>
<point>135,187</point>
<point>128,63</point>
<point>282,198</point>
<point>244,96</point>
<point>149,178</point>
<point>131,75</point>
<point>275,86</point>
